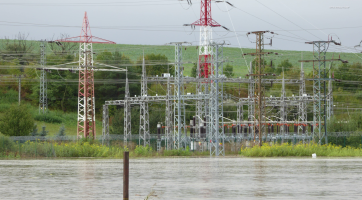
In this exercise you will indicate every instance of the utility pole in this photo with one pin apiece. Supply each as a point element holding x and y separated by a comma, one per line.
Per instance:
<point>19,84</point>
<point>302,113</point>
<point>320,72</point>
<point>43,96</point>
<point>127,114</point>
<point>259,93</point>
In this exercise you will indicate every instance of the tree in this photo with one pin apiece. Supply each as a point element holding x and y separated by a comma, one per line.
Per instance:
<point>43,131</point>
<point>17,121</point>
<point>194,71</point>
<point>229,70</point>
<point>156,64</point>
<point>18,48</point>
<point>61,132</point>
<point>285,65</point>
<point>34,132</point>
<point>63,48</point>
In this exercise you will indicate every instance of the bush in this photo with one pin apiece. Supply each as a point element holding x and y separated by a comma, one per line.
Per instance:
<point>178,152</point>
<point>17,121</point>
<point>143,151</point>
<point>6,144</point>
<point>300,150</point>
<point>49,118</point>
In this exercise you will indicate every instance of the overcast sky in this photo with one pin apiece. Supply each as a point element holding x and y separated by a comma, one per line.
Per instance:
<point>157,22</point>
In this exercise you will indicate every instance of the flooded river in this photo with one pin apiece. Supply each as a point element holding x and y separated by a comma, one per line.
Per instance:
<point>183,178</point>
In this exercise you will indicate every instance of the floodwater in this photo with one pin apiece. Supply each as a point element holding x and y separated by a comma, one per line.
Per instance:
<point>183,178</point>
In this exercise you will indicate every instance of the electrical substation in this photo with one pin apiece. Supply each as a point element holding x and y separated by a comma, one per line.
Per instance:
<point>260,118</point>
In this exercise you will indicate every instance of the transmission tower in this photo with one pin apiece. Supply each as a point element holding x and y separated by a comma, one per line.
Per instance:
<point>259,93</point>
<point>205,48</point>
<point>43,95</point>
<point>320,72</point>
<point>86,100</point>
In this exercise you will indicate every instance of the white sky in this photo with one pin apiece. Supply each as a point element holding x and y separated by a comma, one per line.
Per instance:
<point>157,22</point>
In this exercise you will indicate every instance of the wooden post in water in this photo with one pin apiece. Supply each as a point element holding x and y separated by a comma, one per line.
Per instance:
<point>125,175</point>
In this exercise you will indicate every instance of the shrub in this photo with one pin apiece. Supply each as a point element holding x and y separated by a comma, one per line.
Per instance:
<point>6,144</point>
<point>49,118</point>
<point>178,152</point>
<point>17,121</point>
<point>143,151</point>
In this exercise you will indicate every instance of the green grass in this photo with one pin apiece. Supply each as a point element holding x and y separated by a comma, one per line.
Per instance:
<point>301,150</point>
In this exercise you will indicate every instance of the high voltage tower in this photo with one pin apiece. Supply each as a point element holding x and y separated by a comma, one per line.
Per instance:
<point>86,100</point>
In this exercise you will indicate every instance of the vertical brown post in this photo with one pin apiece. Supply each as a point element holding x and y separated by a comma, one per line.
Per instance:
<point>125,175</point>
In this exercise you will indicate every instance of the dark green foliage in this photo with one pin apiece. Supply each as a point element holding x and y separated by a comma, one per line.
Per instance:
<point>49,118</point>
<point>113,91</point>
<point>194,70</point>
<point>43,131</point>
<point>349,73</point>
<point>17,121</point>
<point>9,96</point>
<point>156,114</point>
<point>285,65</point>
<point>228,70</point>
<point>177,152</point>
<point>61,132</point>
<point>159,65</point>
<point>6,144</point>
<point>34,132</point>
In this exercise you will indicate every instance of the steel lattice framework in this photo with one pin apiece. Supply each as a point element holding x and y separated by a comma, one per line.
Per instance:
<point>216,123</point>
<point>320,72</point>
<point>144,129</point>
<point>179,104</point>
<point>86,100</point>
<point>43,95</point>
<point>127,114</point>
<point>259,115</point>
<point>205,48</point>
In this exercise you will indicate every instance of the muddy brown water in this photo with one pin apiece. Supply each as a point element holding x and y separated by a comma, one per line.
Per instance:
<point>183,178</point>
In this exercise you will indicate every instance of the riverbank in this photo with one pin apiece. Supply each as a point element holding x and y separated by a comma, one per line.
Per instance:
<point>91,148</point>
<point>301,150</point>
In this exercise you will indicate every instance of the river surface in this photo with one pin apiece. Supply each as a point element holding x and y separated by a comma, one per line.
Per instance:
<point>183,178</point>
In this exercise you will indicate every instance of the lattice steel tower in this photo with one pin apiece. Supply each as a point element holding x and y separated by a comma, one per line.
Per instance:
<point>43,95</point>
<point>86,100</point>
